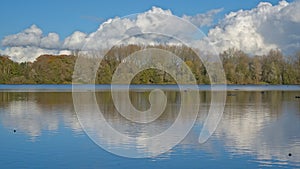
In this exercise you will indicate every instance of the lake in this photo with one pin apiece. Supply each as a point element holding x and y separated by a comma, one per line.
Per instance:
<point>259,129</point>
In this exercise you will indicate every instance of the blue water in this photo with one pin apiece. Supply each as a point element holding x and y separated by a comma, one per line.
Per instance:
<point>257,130</point>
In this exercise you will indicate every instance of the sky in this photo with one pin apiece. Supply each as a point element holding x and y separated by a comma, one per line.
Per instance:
<point>34,27</point>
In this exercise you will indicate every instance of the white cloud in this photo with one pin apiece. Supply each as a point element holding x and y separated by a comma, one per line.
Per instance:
<point>75,41</point>
<point>32,36</point>
<point>51,41</point>
<point>260,29</point>
<point>254,31</point>
<point>115,30</point>
<point>205,19</point>
<point>65,52</point>
<point>30,44</point>
<point>29,37</point>
<point>26,54</point>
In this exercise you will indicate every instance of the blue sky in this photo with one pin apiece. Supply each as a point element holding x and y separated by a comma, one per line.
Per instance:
<point>64,17</point>
<point>34,27</point>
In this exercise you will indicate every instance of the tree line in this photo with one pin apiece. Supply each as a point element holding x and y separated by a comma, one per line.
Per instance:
<point>239,67</point>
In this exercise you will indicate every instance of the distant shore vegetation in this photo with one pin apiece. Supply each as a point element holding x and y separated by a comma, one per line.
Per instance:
<point>239,67</point>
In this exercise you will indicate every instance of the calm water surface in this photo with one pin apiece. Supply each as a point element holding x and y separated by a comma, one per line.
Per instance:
<point>259,129</point>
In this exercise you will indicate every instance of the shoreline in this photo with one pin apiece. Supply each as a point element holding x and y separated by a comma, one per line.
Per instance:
<point>140,88</point>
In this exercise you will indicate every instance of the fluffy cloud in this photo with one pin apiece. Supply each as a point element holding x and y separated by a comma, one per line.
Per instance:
<point>29,44</point>
<point>75,41</point>
<point>32,36</point>
<point>26,54</point>
<point>29,37</point>
<point>50,42</point>
<point>205,19</point>
<point>115,30</point>
<point>254,31</point>
<point>258,30</point>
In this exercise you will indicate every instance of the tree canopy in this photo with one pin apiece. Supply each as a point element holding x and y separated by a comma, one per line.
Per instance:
<point>239,67</point>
